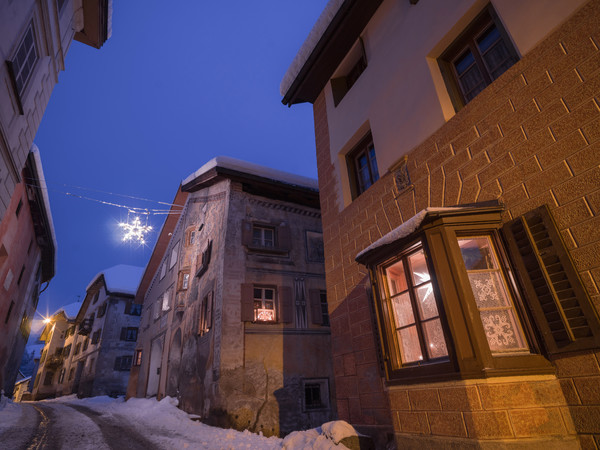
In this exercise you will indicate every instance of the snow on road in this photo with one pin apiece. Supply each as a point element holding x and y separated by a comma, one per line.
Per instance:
<point>102,422</point>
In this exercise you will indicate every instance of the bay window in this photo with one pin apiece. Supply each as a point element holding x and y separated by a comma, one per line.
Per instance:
<point>447,300</point>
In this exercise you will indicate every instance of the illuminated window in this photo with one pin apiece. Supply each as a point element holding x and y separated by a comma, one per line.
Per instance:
<point>138,358</point>
<point>415,318</point>
<point>264,304</point>
<point>441,299</point>
<point>496,306</point>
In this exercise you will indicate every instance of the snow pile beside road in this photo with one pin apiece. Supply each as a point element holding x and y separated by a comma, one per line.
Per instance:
<point>168,427</point>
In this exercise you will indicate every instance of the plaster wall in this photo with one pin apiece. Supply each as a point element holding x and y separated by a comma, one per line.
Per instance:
<point>401,96</point>
<point>18,251</point>
<point>502,147</point>
<point>53,35</point>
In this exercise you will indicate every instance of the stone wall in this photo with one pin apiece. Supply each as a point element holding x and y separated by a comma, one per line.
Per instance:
<point>530,138</point>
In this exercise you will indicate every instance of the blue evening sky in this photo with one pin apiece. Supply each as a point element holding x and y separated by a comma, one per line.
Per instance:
<point>172,88</point>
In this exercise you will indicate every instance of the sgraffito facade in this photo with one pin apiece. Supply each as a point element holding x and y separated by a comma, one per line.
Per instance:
<point>234,321</point>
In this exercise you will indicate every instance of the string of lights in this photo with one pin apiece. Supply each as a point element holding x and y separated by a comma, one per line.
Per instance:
<point>134,230</point>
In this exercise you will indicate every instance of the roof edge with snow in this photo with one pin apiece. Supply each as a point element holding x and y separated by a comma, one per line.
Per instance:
<point>330,40</point>
<point>409,227</point>
<point>249,168</point>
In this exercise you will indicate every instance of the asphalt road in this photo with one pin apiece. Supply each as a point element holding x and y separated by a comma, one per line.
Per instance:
<point>54,426</point>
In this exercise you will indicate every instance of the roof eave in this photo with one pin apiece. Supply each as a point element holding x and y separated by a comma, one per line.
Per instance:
<point>258,185</point>
<point>335,43</point>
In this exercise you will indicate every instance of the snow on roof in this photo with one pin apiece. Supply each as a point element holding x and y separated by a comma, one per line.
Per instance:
<point>122,279</point>
<point>253,169</point>
<point>405,229</point>
<point>44,192</point>
<point>309,44</point>
<point>71,310</point>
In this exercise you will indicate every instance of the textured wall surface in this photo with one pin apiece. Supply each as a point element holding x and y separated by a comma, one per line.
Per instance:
<point>530,138</point>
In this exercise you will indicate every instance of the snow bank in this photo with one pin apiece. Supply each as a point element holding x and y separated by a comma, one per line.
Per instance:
<point>169,427</point>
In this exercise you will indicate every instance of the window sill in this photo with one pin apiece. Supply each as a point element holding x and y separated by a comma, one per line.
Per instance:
<point>270,250</point>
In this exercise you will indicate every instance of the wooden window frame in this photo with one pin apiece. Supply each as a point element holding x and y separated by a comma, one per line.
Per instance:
<point>342,84</point>
<point>281,237</point>
<point>203,260</point>
<point>127,332</point>
<point>15,71</point>
<point>467,40</point>
<point>137,361</point>
<point>363,147</point>
<point>324,394</point>
<point>205,314</point>
<point>183,284</point>
<point>263,299</point>
<point>468,348</point>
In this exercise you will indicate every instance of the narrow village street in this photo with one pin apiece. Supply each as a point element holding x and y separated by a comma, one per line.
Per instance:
<point>45,425</point>
<point>100,423</point>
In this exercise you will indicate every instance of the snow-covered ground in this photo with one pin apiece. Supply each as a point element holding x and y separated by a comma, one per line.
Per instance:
<point>163,424</point>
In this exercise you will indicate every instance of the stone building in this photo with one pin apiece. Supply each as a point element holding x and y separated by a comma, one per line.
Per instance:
<point>234,319</point>
<point>91,354</point>
<point>457,150</point>
<point>34,39</point>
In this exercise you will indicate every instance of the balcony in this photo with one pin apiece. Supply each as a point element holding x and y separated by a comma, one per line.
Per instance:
<point>54,362</point>
<point>85,327</point>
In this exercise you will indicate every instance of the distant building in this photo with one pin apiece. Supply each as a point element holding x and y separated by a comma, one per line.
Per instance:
<point>57,336</point>
<point>21,387</point>
<point>34,39</point>
<point>234,319</point>
<point>458,156</point>
<point>91,353</point>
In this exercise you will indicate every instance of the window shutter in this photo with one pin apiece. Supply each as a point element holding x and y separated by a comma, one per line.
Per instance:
<point>118,363</point>
<point>123,334</point>
<point>209,309</point>
<point>284,240</point>
<point>285,302</point>
<point>247,302</point>
<point>315,306</point>
<point>558,301</point>
<point>128,307</point>
<point>246,233</point>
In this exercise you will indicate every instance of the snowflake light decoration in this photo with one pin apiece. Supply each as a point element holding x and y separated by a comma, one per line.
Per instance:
<point>135,231</point>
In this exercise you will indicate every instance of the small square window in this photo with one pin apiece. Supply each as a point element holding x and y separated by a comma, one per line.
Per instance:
<point>316,394</point>
<point>362,166</point>
<point>263,236</point>
<point>264,304</point>
<point>129,334</point>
